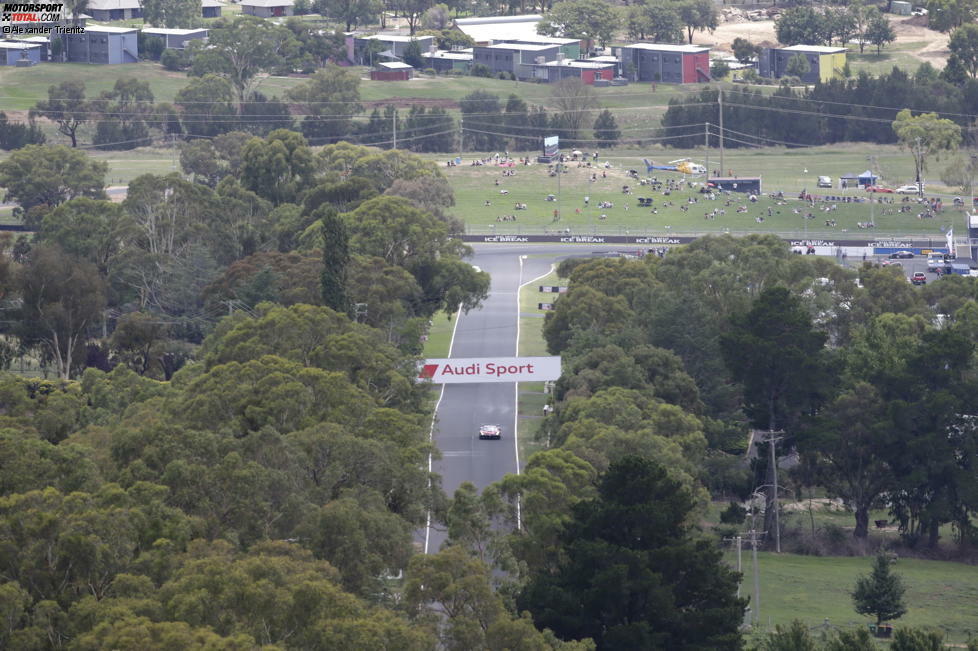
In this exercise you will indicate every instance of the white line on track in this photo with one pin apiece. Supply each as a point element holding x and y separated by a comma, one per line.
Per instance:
<point>434,419</point>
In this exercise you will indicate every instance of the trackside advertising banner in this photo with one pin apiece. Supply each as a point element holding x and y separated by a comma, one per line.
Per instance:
<point>470,370</point>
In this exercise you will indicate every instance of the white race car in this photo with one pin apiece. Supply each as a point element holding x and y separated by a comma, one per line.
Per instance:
<point>489,432</point>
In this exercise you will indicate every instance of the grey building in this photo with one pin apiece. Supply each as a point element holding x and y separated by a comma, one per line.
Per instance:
<point>102,44</point>
<point>586,71</point>
<point>486,30</point>
<point>569,47</point>
<point>445,60</point>
<point>175,39</point>
<point>515,58</point>
<point>824,63</point>
<point>19,53</point>
<point>388,46</point>
<point>106,10</point>
<point>44,43</point>
<point>211,8</point>
<point>660,62</point>
<point>267,8</point>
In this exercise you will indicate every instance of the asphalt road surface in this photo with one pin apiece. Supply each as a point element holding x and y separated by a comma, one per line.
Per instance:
<point>488,331</point>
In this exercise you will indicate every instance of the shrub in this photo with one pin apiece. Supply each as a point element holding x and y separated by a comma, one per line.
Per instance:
<point>152,47</point>
<point>308,64</point>
<point>733,514</point>
<point>174,60</point>
<point>726,532</point>
<point>480,70</point>
<point>750,75</point>
<point>719,69</point>
<point>14,135</point>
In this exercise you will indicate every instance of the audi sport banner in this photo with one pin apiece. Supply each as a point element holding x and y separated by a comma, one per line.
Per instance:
<point>469,370</point>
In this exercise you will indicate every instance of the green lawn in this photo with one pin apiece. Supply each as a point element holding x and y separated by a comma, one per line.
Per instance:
<point>812,589</point>
<point>21,88</point>
<point>531,318</point>
<point>532,397</point>
<point>451,87</point>
<point>439,335</point>
<point>780,169</point>
<point>531,401</point>
<point>895,54</point>
<point>124,166</point>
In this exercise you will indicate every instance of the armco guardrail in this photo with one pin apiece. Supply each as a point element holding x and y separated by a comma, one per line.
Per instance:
<point>668,239</point>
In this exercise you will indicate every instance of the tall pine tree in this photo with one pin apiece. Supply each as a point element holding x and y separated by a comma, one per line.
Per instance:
<point>633,574</point>
<point>606,130</point>
<point>336,257</point>
<point>881,593</point>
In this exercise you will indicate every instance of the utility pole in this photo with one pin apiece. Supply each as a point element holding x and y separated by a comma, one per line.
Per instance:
<point>560,215</point>
<point>739,541</point>
<point>756,607</point>
<point>753,538</point>
<point>917,160</point>
<point>872,199</point>
<point>720,98</point>
<point>706,137</point>
<point>461,132</point>
<point>971,185</point>
<point>394,120</point>
<point>772,439</point>
<point>740,547</point>
<point>971,182</point>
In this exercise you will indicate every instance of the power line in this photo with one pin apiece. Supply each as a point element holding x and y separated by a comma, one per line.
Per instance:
<point>970,116</point>
<point>861,118</point>
<point>148,115</point>
<point>588,140</point>
<point>779,142</point>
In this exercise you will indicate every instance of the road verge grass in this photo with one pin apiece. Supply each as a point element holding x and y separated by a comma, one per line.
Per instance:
<point>439,340</point>
<point>532,397</point>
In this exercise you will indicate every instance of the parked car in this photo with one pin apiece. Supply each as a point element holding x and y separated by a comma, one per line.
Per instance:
<point>897,255</point>
<point>908,189</point>
<point>824,182</point>
<point>878,188</point>
<point>919,278</point>
<point>918,11</point>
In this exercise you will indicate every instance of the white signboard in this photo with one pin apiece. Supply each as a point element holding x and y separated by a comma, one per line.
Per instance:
<point>551,146</point>
<point>469,370</point>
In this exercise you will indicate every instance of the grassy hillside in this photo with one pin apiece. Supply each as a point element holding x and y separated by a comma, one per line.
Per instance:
<point>940,594</point>
<point>780,169</point>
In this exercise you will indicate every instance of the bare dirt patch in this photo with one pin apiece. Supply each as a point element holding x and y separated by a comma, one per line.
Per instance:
<point>408,102</point>
<point>908,30</point>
